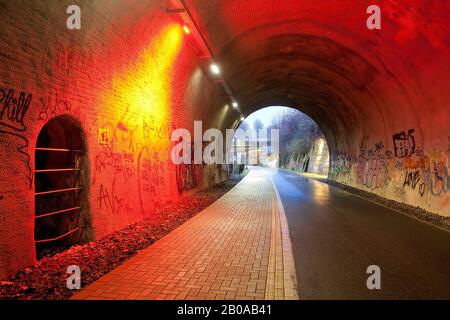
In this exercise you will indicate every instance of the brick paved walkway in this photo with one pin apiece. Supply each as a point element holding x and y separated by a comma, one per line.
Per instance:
<point>237,248</point>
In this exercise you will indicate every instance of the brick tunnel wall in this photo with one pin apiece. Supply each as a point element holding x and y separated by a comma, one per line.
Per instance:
<point>128,77</point>
<point>381,97</point>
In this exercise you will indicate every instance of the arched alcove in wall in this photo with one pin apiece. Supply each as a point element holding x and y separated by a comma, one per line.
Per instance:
<point>62,216</point>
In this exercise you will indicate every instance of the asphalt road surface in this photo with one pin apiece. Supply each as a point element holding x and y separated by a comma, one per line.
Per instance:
<point>336,236</point>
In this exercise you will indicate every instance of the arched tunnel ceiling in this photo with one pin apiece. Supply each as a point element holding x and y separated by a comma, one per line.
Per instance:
<point>330,66</point>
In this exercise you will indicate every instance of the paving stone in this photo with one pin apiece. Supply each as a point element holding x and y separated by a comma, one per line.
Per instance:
<point>237,248</point>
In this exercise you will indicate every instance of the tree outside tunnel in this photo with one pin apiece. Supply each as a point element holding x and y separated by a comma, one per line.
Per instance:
<point>302,145</point>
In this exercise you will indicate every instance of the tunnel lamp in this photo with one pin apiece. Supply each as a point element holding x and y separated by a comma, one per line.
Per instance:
<point>242,118</point>
<point>235,104</point>
<point>215,69</point>
<point>186,29</point>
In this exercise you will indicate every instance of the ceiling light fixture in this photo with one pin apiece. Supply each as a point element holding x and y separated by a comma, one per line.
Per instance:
<point>186,29</point>
<point>215,69</point>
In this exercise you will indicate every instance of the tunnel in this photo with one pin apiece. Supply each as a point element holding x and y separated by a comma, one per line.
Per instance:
<point>134,71</point>
<point>61,186</point>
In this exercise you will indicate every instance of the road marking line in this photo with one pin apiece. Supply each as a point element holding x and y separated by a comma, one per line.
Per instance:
<point>290,275</point>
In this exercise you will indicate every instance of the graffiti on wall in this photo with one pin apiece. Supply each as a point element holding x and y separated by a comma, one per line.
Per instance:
<point>118,169</point>
<point>138,151</point>
<point>404,169</point>
<point>430,174</point>
<point>187,174</point>
<point>113,163</point>
<point>371,168</point>
<point>125,129</point>
<point>413,179</point>
<point>111,202</point>
<point>426,173</point>
<point>13,109</point>
<point>413,167</point>
<point>53,104</point>
<point>152,179</point>
<point>153,130</point>
<point>187,177</point>
<point>404,143</point>
<point>439,180</point>
<point>103,136</point>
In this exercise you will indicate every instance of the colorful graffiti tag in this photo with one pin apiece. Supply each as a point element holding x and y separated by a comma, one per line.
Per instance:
<point>371,169</point>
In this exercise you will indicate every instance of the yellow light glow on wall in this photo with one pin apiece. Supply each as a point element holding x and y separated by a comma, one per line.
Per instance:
<point>143,88</point>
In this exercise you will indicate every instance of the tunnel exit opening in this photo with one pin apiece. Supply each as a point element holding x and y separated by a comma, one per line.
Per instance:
<point>302,144</point>
<point>62,216</point>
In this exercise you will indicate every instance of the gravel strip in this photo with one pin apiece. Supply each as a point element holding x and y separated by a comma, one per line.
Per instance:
<point>47,278</point>
<point>416,212</point>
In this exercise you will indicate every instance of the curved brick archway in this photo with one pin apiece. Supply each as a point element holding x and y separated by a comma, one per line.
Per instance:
<point>379,95</point>
<point>130,76</point>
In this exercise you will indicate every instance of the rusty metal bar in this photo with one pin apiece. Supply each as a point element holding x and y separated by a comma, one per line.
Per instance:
<point>56,212</point>
<point>57,238</point>
<point>55,149</point>
<point>56,191</point>
<point>56,170</point>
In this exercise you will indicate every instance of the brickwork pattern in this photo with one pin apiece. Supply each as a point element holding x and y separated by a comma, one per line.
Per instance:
<point>128,76</point>
<point>231,250</point>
